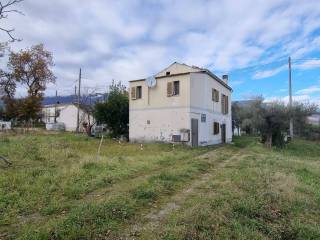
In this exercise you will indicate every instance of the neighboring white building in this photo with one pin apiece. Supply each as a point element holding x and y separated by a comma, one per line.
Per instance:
<point>237,131</point>
<point>65,114</point>
<point>314,119</point>
<point>5,125</point>
<point>185,104</point>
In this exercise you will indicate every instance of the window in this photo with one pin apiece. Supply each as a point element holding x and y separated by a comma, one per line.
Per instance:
<point>215,95</point>
<point>136,92</point>
<point>216,128</point>
<point>203,118</point>
<point>167,73</point>
<point>139,92</point>
<point>173,88</point>
<point>176,88</point>
<point>224,104</point>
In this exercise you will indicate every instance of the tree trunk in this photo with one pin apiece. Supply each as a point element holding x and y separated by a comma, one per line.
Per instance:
<point>88,130</point>
<point>268,142</point>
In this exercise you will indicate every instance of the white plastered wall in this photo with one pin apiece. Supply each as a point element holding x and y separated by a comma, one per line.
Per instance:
<point>156,117</point>
<point>203,104</point>
<point>157,124</point>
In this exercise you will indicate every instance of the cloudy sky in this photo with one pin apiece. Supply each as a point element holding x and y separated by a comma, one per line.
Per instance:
<point>130,39</point>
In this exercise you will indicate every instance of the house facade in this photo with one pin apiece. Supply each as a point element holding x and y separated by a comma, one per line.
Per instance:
<point>186,104</point>
<point>65,114</point>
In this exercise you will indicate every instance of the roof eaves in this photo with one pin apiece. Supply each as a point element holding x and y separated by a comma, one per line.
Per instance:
<point>216,78</point>
<point>171,75</point>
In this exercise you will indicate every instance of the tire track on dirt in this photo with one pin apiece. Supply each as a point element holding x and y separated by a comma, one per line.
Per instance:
<point>153,219</point>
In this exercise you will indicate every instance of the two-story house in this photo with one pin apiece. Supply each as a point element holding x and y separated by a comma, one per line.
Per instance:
<point>181,104</point>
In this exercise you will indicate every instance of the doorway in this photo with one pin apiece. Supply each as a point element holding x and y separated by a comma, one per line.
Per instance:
<point>194,132</point>
<point>223,133</point>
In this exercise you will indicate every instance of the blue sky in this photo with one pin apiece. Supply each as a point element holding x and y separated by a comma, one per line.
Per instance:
<point>131,39</point>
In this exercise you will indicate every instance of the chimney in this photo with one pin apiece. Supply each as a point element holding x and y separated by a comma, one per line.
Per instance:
<point>225,78</point>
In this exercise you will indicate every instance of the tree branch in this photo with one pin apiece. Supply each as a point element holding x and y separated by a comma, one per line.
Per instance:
<point>4,11</point>
<point>6,161</point>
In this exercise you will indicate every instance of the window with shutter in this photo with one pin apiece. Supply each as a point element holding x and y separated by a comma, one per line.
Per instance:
<point>169,89</point>
<point>226,105</point>
<point>222,104</point>
<point>176,88</point>
<point>215,95</point>
<point>139,92</point>
<point>133,93</point>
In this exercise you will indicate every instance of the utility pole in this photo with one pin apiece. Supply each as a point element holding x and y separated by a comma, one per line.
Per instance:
<point>290,98</point>
<point>78,112</point>
<point>55,108</point>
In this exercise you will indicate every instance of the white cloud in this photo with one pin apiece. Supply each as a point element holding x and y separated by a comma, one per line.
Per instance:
<point>269,73</point>
<point>132,39</point>
<point>296,98</point>
<point>309,90</point>
<point>235,83</point>
<point>304,98</point>
<point>308,64</point>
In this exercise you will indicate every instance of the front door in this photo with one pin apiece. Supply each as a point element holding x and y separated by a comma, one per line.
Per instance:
<point>194,132</point>
<point>223,133</point>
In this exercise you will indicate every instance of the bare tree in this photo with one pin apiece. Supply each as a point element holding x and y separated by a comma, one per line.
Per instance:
<point>87,118</point>
<point>6,8</point>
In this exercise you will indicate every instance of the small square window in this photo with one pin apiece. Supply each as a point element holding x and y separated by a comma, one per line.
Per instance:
<point>203,118</point>
<point>167,73</point>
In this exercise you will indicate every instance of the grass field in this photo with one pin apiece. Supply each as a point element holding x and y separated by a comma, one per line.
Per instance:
<point>58,189</point>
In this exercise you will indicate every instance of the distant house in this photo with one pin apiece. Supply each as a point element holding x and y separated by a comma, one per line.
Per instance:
<point>66,114</point>
<point>181,104</point>
<point>314,119</point>
<point>5,125</point>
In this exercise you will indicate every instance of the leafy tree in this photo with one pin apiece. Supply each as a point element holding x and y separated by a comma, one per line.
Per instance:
<point>245,115</point>
<point>7,92</point>
<point>271,120</point>
<point>115,111</point>
<point>2,113</point>
<point>273,124</point>
<point>29,108</point>
<point>30,68</point>
<point>299,113</point>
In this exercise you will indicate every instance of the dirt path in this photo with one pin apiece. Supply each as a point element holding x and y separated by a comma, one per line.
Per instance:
<point>152,220</point>
<point>125,185</point>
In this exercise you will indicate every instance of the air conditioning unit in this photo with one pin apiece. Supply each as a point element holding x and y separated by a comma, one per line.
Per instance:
<point>185,135</point>
<point>176,138</point>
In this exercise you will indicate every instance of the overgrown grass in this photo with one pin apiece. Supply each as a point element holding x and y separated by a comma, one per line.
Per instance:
<point>265,194</point>
<point>58,189</point>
